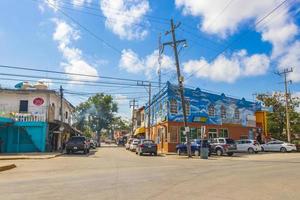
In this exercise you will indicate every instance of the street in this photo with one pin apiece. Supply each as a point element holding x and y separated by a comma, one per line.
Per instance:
<point>114,173</point>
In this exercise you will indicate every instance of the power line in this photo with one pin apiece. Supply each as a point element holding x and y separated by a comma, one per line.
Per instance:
<point>239,38</point>
<point>74,82</point>
<point>69,73</point>
<point>63,79</point>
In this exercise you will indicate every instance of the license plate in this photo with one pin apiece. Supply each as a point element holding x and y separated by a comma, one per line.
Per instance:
<point>149,146</point>
<point>74,147</point>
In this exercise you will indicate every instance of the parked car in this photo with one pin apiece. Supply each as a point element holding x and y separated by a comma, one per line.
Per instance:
<point>134,144</point>
<point>278,146</point>
<point>247,145</point>
<point>222,146</point>
<point>128,143</point>
<point>78,143</point>
<point>146,146</point>
<point>93,143</point>
<point>195,147</point>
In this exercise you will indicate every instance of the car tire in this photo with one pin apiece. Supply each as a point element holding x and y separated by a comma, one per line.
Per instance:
<point>283,150</point>
<point>179,152</point>
<point>140,153</point>
<point>219,152</point>
<point>262,149</point>
<point>230,154</point>
<point>197,153</point>
<point>250,150</point>
<point>155,154</point>
<point>68,151</point>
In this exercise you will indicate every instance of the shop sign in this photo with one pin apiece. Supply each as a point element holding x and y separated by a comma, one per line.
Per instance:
<point>200,119</point>
<point>38,101</point>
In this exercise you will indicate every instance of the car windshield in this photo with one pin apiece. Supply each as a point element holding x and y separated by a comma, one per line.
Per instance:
<point>230,141</point>
<point>77,139</point>
<point>148,142</point>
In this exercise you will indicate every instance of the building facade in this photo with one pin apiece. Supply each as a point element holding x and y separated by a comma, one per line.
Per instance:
<point>222,116</point>
<point>30,120</point>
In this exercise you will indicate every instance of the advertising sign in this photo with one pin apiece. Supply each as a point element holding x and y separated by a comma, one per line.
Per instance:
<point>38,101</point>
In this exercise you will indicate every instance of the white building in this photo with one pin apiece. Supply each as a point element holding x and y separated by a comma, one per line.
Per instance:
<point>38,104</point>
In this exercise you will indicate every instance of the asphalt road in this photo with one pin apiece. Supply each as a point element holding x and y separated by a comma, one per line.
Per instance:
<point>114,173</point>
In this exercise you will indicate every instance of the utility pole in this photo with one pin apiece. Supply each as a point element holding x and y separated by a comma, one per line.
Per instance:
<point>174,43</point>
<point>159,61</point>
<point>149,112</point>
<point>285,72</point>
<point>146,83</point>
<point>133,106</point>
<point>61,103</point>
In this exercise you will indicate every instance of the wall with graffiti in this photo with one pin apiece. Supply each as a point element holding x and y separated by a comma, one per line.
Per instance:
<point>201,106</point>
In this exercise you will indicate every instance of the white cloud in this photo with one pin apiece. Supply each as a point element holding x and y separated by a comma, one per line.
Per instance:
<point>279,28</point>
<point>291,58</point>
<point>123,15</point>
<point>132,63</point>
<point>78,3</point>
<point>228,70</point>
<point>74,63</point>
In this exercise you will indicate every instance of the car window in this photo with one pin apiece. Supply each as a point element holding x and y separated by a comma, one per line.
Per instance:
<point>229,141</point>
<point>248,142</point>
<point>221,141</point>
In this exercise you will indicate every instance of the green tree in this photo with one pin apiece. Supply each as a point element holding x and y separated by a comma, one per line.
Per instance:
<point>97,113</point>
<point>277,119</point>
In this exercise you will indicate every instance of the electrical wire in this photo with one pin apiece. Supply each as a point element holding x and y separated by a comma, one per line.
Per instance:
<point>63,79</point>
<point>72,74</point>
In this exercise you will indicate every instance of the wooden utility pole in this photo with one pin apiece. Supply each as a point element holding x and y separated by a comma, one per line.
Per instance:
<point>285,72</point>
<point>174,43</point>
<point>133,106</point>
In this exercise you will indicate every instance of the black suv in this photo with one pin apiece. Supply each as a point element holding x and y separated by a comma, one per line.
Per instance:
<point>78,143</point>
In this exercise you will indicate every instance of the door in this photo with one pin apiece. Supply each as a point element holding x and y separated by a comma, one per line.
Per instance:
<point>239,145</point>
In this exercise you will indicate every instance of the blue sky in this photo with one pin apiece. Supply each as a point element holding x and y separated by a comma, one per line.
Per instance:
<point>35,34</point>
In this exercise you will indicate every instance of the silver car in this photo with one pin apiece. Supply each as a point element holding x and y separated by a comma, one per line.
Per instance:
<point>278,146</point>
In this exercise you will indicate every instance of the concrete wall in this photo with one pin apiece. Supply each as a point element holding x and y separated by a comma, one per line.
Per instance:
<point>24,137</point>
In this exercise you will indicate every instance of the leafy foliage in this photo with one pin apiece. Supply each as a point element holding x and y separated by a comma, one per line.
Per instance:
<point>97,113</point>
<point>277,118</point>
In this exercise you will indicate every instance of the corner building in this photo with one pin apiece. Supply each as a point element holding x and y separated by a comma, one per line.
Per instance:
<point>222,116</point>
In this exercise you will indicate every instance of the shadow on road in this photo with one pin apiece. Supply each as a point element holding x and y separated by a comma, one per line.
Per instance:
<point>81,154</point>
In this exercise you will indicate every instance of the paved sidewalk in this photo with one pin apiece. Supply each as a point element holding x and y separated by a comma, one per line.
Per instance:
<point>21,156</point>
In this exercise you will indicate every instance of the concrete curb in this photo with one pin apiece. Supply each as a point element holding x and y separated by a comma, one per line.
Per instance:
<point>7,167</point>
<point>32,158</point>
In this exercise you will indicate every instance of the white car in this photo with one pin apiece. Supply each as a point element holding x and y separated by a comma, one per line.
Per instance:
<point>247,145</point>
<point>128,143</point>
<point>278,146</point>
<point>134,144</point>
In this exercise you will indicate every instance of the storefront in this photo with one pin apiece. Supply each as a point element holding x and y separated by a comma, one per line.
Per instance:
<point>222,116</point>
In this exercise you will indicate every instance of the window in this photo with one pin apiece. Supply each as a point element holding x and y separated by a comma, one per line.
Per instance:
<point>223,133</point>
<point>236,114</point>
<point>173,134</point>
<point>173,106</point>
<point>187,106</point>
<point>23,106</point>
<point>212,133</point>
<point>223,112</point>
<point>211,110</point>
<point>67,114</point>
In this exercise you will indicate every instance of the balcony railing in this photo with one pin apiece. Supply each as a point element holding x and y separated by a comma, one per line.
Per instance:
<point>30,117</point>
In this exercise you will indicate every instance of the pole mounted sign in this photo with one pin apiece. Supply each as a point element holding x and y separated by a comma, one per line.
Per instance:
<point>38,101</point>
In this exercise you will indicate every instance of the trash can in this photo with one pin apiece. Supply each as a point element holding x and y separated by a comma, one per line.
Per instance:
<point>204,153</point>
